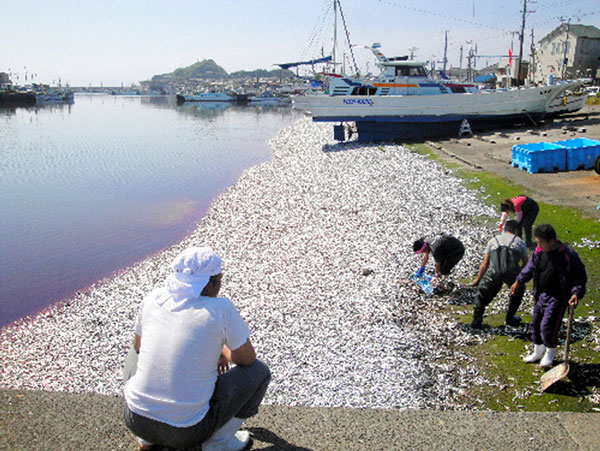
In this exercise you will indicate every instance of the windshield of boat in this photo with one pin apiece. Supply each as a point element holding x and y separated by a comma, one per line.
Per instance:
<point>410,71</point>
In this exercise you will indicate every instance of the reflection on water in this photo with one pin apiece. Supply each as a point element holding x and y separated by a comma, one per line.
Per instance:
<point>89,188</point>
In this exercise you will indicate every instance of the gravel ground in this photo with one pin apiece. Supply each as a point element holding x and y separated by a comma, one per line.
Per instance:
<point>317,255</point>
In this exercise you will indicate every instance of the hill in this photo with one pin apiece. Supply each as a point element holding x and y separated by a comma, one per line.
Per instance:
<point>202,69</point>
<point>208,69</point>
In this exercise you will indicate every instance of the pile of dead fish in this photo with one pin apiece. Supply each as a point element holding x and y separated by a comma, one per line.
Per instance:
<point>317,256</point>
<point>587,243</point>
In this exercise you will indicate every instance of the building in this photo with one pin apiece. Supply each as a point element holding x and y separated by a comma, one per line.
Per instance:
<point>5,82</point>
<point>568,52</point>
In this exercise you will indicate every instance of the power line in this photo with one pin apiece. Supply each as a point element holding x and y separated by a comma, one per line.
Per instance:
<point>443,16</point>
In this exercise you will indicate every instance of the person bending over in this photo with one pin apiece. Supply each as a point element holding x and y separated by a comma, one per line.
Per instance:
<point>446,250</point>
<point>505,256</point>
<point>181,392</point>
<point>525,209</point>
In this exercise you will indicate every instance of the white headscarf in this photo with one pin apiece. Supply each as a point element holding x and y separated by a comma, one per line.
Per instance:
<point>192,270</point>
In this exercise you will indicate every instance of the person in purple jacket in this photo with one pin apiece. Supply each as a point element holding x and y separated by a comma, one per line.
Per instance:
<point>559,279</point>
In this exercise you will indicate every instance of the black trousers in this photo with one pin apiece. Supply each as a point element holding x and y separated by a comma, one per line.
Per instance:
<point>490,286</point>
<point>530,211</point>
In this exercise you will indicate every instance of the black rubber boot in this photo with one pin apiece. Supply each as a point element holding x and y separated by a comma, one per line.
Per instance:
<point>513,305</point>
<point>477,318</point>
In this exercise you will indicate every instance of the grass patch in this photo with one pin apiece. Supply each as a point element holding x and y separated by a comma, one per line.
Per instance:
<point>593,100</point>
<point>514,384</point>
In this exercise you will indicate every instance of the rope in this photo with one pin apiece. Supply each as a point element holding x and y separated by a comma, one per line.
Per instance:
<point>347,35</point>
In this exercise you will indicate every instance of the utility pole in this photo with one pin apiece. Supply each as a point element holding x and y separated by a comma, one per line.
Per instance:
<point>445,50</point>
<point>532,63</point>
<point>460,61</point>
<point>564,63</point>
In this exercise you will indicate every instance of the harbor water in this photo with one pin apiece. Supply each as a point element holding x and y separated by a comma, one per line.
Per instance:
<point>90,188</point>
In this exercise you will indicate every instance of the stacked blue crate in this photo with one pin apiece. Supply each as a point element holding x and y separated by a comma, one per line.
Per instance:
<point>580,152</point>
<point>540,157</point>
<point>516,156</point>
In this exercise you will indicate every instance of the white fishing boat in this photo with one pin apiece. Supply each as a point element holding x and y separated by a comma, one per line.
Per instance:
<point>404,102</point>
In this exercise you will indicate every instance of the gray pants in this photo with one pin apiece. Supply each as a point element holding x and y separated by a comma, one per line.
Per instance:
<point>238,393</point>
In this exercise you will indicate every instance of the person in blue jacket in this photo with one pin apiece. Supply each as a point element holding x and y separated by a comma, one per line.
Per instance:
<point>559,279</point>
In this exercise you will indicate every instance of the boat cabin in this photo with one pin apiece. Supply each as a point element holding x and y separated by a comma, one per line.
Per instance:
<point>398,77</point>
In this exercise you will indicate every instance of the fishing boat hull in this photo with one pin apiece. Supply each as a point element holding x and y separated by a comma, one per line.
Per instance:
<point>207,97</point>
<point>421,116</point>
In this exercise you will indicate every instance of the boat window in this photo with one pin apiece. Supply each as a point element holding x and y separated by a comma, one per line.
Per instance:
<point>363,91</point>
<point>457,89</point>
<point>410,71</point>
<point>401,71</point>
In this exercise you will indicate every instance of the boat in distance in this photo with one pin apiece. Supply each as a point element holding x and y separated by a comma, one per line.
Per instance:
<point>205,97</point>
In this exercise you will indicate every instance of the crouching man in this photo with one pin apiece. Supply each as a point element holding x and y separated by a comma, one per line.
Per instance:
<point>182,393</point>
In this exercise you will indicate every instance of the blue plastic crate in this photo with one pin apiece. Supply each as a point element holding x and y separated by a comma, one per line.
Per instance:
<point>543,157</point>
<point>581,152</point>
<point>516,155</point>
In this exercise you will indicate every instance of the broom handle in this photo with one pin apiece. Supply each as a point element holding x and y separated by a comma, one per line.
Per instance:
<point>568,333</point>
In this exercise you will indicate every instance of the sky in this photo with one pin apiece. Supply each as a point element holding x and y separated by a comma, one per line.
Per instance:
<point>122,42</point>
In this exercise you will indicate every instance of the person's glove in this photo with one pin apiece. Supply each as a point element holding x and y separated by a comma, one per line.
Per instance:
<point>420,271</point>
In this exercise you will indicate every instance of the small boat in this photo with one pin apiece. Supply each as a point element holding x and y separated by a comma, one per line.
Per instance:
<point>54,96</point>
<point>205,97</point>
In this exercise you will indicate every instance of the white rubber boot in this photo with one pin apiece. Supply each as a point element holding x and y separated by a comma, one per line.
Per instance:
<point>228,437</point>
<point>538,353</point>
<point>144,444</point>
<point>548,357</point>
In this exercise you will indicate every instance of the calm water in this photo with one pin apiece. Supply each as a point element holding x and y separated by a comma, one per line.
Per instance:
<point>89,188</point>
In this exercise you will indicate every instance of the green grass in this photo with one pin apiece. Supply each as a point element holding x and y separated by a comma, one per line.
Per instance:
<point>593,100</point>
<point>514,384</point>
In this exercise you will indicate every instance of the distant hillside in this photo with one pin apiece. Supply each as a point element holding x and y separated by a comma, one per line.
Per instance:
<point>208,69</point>
<point>262,73</point>
<point>202,69</point>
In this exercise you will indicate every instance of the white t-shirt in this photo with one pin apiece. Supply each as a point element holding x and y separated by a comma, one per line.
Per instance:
<point>180,347</point>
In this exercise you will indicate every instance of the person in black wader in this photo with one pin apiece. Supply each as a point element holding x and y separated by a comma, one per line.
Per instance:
<point>505,256</point>
<point>525,209</point>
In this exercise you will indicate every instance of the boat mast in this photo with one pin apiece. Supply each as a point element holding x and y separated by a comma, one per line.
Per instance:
<point>334,33</point>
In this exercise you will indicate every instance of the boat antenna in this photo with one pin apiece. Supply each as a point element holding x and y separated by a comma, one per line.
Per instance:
<point>347,36</point>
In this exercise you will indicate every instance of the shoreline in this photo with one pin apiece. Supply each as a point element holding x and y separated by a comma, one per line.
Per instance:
<point>316,255</point>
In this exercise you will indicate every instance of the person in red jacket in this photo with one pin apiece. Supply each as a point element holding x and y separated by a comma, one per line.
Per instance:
<point>525,209</point>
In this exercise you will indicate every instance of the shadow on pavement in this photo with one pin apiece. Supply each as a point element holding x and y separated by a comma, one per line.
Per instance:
<point>266,436</point>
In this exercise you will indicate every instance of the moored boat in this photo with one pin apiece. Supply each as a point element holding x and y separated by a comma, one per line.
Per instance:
<point>205,97</point>
<point>269,98</point>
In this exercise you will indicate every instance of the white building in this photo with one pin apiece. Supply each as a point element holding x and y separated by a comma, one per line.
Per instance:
<point>569,51</point>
